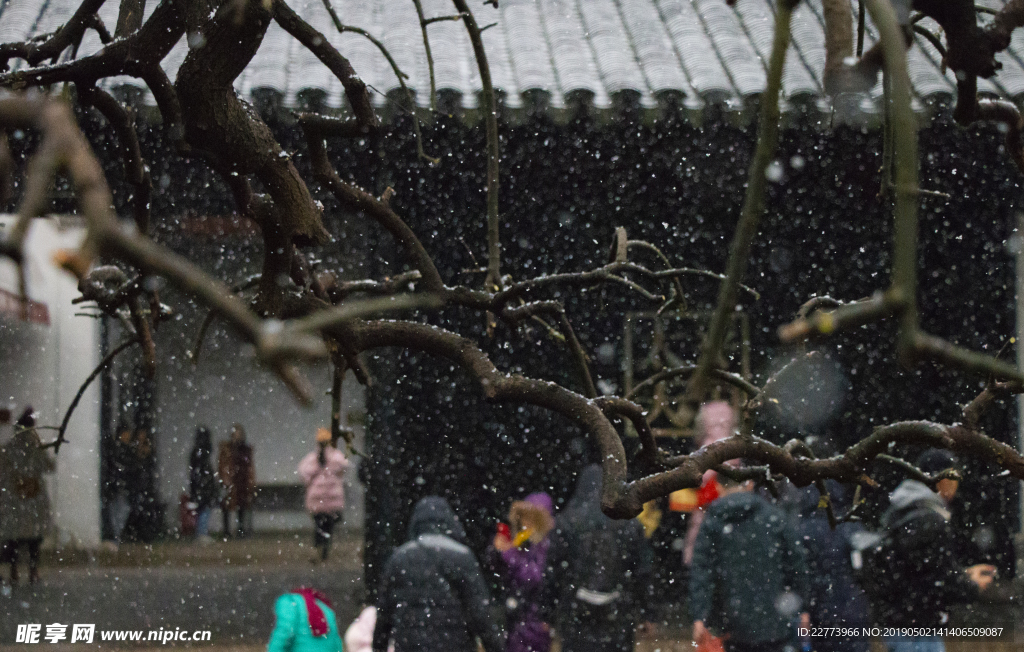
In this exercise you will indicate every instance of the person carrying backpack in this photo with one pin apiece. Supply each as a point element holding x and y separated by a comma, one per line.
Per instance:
<point>913,574</point>
<point>599,572</point>
<point>432,596</point>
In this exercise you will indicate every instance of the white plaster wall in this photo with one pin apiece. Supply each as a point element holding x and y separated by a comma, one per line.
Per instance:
<point>227,386</point>
<point>45,365</point>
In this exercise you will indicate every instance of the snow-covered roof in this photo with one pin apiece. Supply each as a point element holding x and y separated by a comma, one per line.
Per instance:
<point>700,50</point>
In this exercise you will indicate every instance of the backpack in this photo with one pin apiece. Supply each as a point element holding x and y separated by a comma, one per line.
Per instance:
<point>877,559</point>
<point>600,569</point>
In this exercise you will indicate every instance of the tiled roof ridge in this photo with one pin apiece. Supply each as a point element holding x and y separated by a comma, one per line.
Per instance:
<point>660,50</point>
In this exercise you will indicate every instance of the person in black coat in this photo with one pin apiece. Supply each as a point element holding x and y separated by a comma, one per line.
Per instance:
<point>835,598</point>
<point>202,482</point>
<point>432,596</point>
<point>600,573</point>
<point>922,568</point>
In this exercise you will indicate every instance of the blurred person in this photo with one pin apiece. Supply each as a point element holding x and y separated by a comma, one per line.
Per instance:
<point>237,472</point>
<point>599,573</point>
<point>304,621</point>
<point>202,482</point>
<point>835,599</point>
<point>114,492</point>
<point>521,561</point>
<point>144,521</point>
<point>748,580</point>
<point>921,564</point>
<point>715,421</point>
<point>321,471</point>
<point>432,596</point>
<point>359,635</point>
<point>25,516</point>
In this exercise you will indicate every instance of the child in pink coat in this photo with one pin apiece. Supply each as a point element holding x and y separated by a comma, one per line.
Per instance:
<point>321,471</point>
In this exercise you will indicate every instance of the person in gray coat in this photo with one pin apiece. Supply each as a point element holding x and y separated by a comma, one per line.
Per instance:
<point>432,596</point>
<point>25,507</point>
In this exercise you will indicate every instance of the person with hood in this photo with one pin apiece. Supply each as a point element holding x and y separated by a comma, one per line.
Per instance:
<point>432,596</point>
<point>599,573</point>
<point>922,561</point>
<point>521,563</point>
<point>25,511</point>
<point>748,579</point>
<point>321,471</point>
<point>835,598</point>
<point>202,483</point>
<point>304,621</point>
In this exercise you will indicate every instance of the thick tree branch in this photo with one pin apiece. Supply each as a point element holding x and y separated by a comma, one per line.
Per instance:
<point>35,52</point>
<point>136,170</point>
<point>317,43</point>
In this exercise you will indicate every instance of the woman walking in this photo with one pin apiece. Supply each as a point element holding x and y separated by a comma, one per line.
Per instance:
<point>237,471</point>
<point>202,483</point>
<point>25,513</point>
<point>321,471</point>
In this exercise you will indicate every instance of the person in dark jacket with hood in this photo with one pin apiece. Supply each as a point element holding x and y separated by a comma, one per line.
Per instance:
<point>202,482</point>
<point>835,598</point>
<point>923,563</point>
<point>599,569</point>
<point>748,581</point>
<point>432,596</point>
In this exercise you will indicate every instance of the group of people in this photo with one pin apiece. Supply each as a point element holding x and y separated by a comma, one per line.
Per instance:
<point>579,573</point>
<point>232,486</point>
<point>759,574</point>
<point>25,516</point>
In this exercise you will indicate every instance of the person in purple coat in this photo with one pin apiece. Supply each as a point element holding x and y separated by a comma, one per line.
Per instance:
<point>520,558</point>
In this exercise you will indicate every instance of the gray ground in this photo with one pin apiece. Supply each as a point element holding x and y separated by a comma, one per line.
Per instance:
<point>227,588</point>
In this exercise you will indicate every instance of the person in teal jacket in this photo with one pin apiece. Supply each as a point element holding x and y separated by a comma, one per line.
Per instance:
<point>305,622</point>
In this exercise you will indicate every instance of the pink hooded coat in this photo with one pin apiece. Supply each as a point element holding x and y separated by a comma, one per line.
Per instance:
<point>324,490</point>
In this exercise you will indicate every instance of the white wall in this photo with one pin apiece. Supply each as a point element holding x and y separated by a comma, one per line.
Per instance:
<point>45,365</point>
<point>227,386</point>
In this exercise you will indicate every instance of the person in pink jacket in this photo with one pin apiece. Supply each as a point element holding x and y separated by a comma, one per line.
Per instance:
<point>321,471</point>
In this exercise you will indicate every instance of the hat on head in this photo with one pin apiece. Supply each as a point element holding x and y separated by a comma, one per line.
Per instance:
<point>935,460</point>
<point>540,499</point>
<point>323,436</point>
<point>27,418</point>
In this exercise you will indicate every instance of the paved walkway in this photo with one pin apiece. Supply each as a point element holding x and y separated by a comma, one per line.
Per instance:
<point>229,588</point>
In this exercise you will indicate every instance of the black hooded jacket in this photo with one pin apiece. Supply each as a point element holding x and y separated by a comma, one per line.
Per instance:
<point>923,562</point>
<point>432,595</point>
<point>596,560</point>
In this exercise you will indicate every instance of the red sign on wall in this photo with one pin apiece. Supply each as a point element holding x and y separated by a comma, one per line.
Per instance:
<point>12,305</point>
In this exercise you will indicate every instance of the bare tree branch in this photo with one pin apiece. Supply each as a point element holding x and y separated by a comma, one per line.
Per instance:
<point>104,363</point>
<point>490,102</point>
<point>753,207</point>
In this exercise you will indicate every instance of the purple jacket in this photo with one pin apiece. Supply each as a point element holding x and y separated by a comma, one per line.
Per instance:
<point>522,570</point>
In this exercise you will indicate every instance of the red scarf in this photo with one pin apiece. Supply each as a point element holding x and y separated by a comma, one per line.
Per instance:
<point>317,619</point>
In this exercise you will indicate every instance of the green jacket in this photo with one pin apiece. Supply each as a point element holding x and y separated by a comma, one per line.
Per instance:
<point>291,630</point>
<point>749,572</point>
